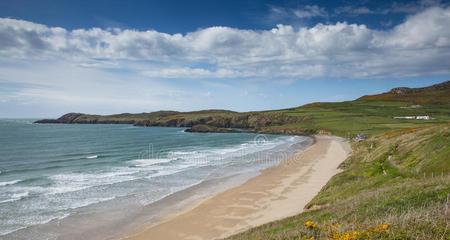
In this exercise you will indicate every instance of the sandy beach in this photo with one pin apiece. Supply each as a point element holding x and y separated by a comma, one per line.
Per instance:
<point>276,193</point>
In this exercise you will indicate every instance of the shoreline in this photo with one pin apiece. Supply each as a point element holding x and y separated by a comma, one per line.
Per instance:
<point>277,192</point>
<point>113,218</point>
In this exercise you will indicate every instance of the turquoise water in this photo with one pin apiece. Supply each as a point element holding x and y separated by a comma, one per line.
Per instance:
<point>52,171</point>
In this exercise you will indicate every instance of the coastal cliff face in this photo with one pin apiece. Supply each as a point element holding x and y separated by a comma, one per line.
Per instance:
<point>66,118</point>
<point>201,121</point>
<point>236,120</point>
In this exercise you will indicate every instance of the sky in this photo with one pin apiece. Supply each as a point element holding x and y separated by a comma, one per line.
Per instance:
<point>114,56</point>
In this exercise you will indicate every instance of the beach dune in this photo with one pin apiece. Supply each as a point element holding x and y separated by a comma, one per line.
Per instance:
<point>278,192</point>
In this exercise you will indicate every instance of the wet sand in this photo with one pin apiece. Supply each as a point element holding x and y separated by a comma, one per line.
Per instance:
<point>276,193</point>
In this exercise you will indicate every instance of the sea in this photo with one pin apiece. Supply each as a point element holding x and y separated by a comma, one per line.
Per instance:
<point>97,181</point>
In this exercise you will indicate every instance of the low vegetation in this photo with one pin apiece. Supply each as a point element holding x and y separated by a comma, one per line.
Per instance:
<point>394,186</point>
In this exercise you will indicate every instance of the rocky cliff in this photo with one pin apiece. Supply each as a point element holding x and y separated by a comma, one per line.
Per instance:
<point>199,121</point>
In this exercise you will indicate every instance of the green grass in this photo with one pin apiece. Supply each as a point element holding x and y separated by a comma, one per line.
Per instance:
<point>370,117</point>
<point>407,190</point>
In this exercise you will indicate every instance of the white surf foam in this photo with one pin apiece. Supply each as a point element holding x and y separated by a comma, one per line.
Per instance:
<point>150,161</point>
<point>87,202</point>
<point>215,155</point>
<point>16,196</point>
<point>9,182</point>
<point>70,182</point>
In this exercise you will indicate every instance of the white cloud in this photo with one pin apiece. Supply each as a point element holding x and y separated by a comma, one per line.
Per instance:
<point>420,46</point>
<point>277,13</point>
<point>325,50</point>
<point>427,30</point>
<point>56,70</point>
<point>310,11</point>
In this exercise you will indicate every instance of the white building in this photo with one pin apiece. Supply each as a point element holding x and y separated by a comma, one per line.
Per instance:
<point>405,117</point>
<point>423,117</point>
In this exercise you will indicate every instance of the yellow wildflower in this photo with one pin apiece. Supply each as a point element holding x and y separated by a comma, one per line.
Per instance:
<point>310,224</point>
<point>382,228</point>
<point>350,235</point>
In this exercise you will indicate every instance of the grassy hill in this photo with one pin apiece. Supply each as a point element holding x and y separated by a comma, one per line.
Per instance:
<point>370,117</point>
<point>373,114</point>
<point>435,94</point>
<point>369,114</point>
<point>395,185</point>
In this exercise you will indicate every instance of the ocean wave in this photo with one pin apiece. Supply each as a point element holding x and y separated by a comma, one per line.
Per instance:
<point>16,196</point>
<point>6,231</point>
<point>17,224</point>
<point>150,161</point>
<point>25,170</point>
<point>166,172</point>
<point>2,184</point>
<point>138,168</point>
<point>71,182</point>
<point>214,155</point>
<point>87,202</point>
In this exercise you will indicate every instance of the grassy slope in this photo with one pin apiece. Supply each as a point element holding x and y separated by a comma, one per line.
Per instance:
<point>370,117</point>
<point>434,94</point>
<point>408,191</point>
<point>399,176</point>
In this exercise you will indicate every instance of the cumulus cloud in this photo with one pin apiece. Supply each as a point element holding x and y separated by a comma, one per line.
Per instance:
<point>415,47</point>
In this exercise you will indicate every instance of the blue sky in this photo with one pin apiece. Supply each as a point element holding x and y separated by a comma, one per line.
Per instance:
<point>140,56</point>
<point>182,16</point>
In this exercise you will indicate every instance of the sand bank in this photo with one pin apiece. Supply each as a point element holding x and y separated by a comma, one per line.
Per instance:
<point>276,193</point>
